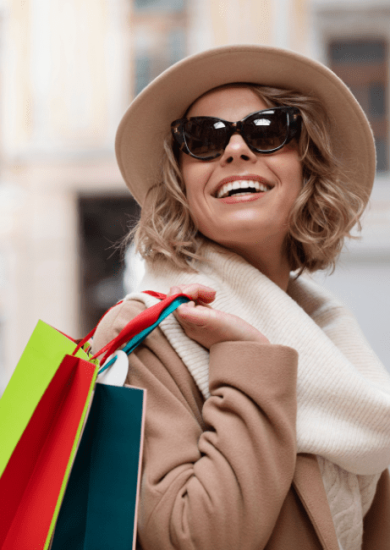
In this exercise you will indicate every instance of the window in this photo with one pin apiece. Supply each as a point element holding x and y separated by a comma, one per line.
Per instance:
<point>363,66</point>
<point>159,38</point>
<point>158,5</point>
<point>164,49</point>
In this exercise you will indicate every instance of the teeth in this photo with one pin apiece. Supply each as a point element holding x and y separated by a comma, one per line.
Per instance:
<point>241,184</point>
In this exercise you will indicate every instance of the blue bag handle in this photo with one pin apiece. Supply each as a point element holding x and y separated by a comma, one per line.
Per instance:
<point>140,337</point>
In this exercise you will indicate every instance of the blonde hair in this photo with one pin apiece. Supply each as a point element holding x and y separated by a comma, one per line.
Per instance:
<point>324,213</point>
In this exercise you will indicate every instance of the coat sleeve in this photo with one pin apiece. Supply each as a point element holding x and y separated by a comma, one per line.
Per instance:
<point>376,531</point>
<point>215,473</point>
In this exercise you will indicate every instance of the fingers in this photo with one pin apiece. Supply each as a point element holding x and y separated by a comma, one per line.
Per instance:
<point>208,326</point>
<point>199,293</point>
<point>189,314</point>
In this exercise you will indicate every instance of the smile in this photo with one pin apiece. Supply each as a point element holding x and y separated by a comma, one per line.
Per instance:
<point>242,187</point>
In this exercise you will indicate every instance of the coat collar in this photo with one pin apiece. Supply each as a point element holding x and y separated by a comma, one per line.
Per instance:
<point>310,489</point>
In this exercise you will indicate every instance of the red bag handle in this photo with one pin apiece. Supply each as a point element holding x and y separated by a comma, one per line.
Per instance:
<point>142,321</point>
<point>90,334</point>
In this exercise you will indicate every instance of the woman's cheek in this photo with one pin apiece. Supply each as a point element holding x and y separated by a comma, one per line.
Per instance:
<point>195,212</point>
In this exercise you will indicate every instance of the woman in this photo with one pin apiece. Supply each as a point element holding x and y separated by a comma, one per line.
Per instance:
<point>268,416</point>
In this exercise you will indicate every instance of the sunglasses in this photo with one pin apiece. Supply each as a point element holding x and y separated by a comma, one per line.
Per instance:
<point>266,131</point>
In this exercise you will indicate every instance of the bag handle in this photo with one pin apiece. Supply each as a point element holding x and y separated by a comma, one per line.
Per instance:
<point>151,316</point>
<point>137,339</point>
<point>138,328</point>
<point>84,340</point>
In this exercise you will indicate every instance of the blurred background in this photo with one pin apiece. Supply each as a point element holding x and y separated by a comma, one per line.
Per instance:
<point>69,69</point>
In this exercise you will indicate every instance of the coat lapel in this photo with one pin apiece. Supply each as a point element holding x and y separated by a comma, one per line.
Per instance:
<point>310,489</point>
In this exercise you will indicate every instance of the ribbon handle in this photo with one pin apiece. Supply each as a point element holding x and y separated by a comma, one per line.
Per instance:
<point>137,339</point>
<point>84,340</point>
<point>151,316</point>
<point>90,334</point>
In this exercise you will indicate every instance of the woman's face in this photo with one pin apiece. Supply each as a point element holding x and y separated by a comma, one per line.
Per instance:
<point>241,222</point>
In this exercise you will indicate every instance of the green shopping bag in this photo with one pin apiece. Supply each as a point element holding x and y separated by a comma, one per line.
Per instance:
<point>42,413</point>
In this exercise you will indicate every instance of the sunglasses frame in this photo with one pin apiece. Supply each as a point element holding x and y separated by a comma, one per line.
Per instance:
<point>292,130</point>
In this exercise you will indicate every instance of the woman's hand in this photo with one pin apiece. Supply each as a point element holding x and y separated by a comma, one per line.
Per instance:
<point>208,326</point>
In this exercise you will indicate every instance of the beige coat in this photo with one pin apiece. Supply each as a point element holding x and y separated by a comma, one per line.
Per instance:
<point>223,474</point>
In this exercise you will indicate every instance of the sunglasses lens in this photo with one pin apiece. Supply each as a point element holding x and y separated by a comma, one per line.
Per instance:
<point>205,137</point>
<point>267,130</point>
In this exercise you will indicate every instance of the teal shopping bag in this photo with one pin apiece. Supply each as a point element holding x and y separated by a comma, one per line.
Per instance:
<point>99,508</point>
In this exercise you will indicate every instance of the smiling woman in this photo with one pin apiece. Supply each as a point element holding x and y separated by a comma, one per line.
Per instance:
<point>268,418</point>
<point>253,223</point>
<point>327,207</point>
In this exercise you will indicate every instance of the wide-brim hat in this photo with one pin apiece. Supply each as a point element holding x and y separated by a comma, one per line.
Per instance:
<point>139,140</point>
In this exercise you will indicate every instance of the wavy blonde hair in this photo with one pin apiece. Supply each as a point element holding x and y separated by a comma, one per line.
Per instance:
<point>324,213</point>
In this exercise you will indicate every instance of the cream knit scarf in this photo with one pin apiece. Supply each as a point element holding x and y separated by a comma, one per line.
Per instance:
<point>343,390</point>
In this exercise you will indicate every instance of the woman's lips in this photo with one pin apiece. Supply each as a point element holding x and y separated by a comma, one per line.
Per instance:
<point>241,178</point>
<point>242,198</point>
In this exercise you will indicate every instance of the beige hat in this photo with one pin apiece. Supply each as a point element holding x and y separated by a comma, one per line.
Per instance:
<point>139,140</point>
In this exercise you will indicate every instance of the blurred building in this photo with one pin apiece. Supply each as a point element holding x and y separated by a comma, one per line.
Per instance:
<point>69,70</point>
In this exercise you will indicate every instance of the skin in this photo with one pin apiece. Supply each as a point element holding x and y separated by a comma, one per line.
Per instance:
<point>254,228</point>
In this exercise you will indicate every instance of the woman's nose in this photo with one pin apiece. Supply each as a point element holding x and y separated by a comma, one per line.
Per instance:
<point>237,149</point>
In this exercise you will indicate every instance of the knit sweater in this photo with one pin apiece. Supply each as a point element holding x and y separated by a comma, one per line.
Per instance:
<point>343,391</point>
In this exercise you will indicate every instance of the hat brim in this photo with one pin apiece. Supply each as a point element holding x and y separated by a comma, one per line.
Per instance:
<point>139,139</point>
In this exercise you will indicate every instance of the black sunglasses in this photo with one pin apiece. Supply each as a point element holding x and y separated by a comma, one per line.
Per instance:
<point>266,131</point>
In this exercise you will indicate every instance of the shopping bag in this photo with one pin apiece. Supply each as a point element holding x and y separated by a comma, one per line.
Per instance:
<point>99,510</point>
<point>99,507</point>
<point>42,412</point>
